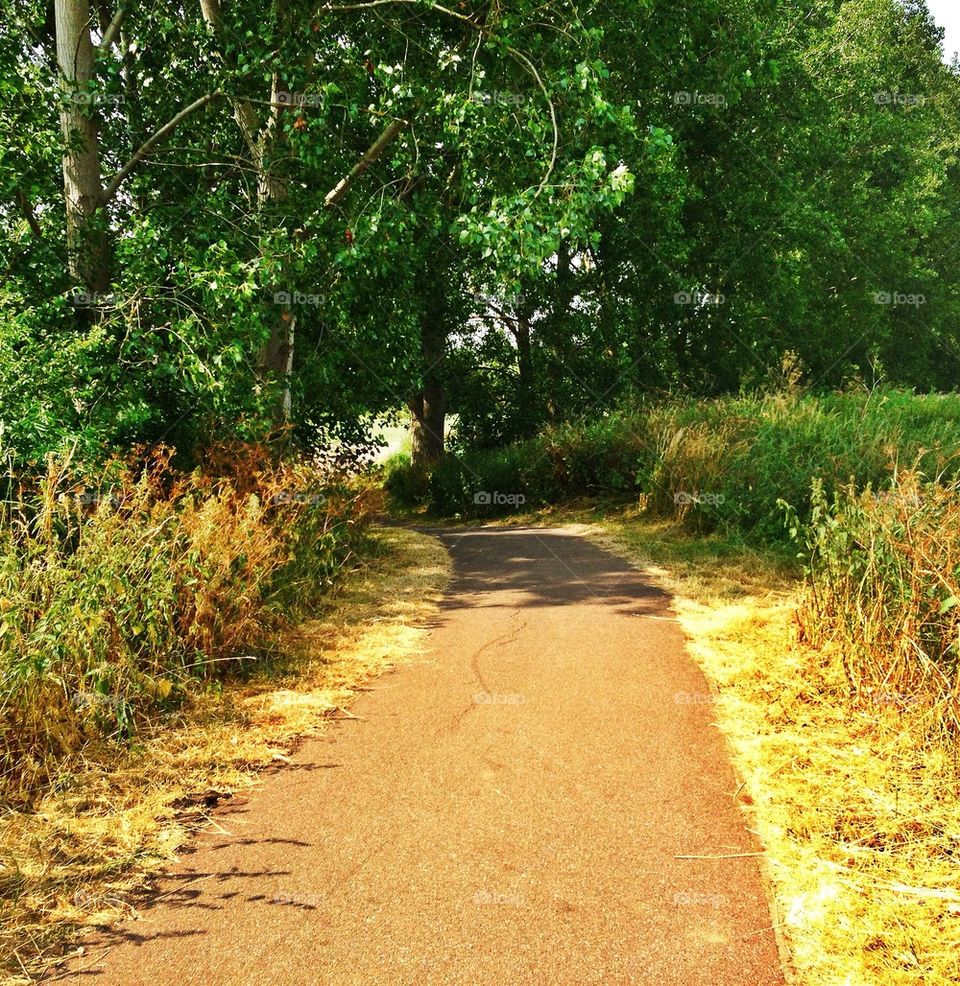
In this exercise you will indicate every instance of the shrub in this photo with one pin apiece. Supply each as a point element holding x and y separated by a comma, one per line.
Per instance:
<point>884,590</point>
<point>462,484</point>
<point>594,457</point>
<point>723,463</point>
<point>405,484</point>
<point>114,600</point>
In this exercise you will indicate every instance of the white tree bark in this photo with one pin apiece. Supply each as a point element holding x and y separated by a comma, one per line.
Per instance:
<point>87,243</point>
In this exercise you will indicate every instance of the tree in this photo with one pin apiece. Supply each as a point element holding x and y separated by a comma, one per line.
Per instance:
<point>87,245</point>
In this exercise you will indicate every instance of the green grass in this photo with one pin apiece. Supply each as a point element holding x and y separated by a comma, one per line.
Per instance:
<point>863,487</point>
<point>116,606</point>
<point>726,464</point>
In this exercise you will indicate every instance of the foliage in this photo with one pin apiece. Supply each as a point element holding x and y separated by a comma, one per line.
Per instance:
<point>884,591</point>
<point>715,463</point>
<point>224,235</point>
<point>552,211</point>
<point>118,599</point>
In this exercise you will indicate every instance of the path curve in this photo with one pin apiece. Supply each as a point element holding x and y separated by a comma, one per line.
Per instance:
<point>509,809</point>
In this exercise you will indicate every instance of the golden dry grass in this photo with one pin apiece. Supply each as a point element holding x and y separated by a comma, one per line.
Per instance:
<point>858,812</point>
<point>115,599</point>
<point>96,837</point>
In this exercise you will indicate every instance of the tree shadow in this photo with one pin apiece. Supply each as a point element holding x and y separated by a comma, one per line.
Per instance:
<point>544,567</point>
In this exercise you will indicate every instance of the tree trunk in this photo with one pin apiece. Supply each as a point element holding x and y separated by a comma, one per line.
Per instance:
<point>87,244</point>
<point>428,405</point>
<point>527,398</point>
<point>275,359</point>
<point>429,421</point>
<point>556,332</point>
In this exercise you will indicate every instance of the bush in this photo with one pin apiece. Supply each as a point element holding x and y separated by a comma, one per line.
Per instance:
<point>594,457</point>
<point>114,600</point>
<point>406,485</point>
<point>467,485</point>
<point>714,464</point>
<point>884,590</point>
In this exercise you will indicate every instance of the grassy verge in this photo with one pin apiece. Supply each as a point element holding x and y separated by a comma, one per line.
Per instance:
<point>78,855</point>
<point>125,593</point>
<point>840,691</point>
<point>724,464</point>
<point>855,803</point>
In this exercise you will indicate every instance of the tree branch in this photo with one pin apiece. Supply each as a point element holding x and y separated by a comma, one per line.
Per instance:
<point>336,8</point>
<point>484,32</point>
<point>532,69</point>
<point>116,22</point>
<point>148,145</point>
<point>376,149</point>
<point>243,111</point>
<point>31,217</point>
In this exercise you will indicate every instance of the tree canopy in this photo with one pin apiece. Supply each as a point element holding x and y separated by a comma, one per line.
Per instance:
<point>229,219</point>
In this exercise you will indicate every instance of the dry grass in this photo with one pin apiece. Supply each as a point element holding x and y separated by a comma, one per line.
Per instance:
<point>885,592</point>
<point>857,809</point>
<point>858,813</point>
<point>94,839</point>
<point>118,602</point>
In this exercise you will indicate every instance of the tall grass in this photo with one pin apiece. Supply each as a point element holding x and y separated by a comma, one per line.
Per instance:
<point>866,482</point>
<point>715,464</point>
<point>883,592</point>
<point>117,599</point>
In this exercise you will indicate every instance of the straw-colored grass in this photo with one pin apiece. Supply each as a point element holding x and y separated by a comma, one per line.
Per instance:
<point>858,812</point>
<point>121,601</point>
<point>95,838</point>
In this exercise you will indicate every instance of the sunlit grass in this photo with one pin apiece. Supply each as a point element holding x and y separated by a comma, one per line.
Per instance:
<point>857,809</point>
<point>102,829</point>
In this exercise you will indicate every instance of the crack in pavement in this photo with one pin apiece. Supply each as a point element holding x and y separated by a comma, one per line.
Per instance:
<point>537,843</point>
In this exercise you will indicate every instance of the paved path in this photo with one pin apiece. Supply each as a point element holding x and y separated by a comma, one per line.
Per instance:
<point>508,810</point>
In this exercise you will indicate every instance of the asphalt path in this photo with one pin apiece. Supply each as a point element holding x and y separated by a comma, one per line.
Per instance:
<point>542,797</point>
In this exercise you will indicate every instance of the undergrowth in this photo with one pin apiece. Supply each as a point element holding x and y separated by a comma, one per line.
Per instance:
<point>123,593</point>
<point>81,853</point>
<point>883,593</point>
<point>715,464</point>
